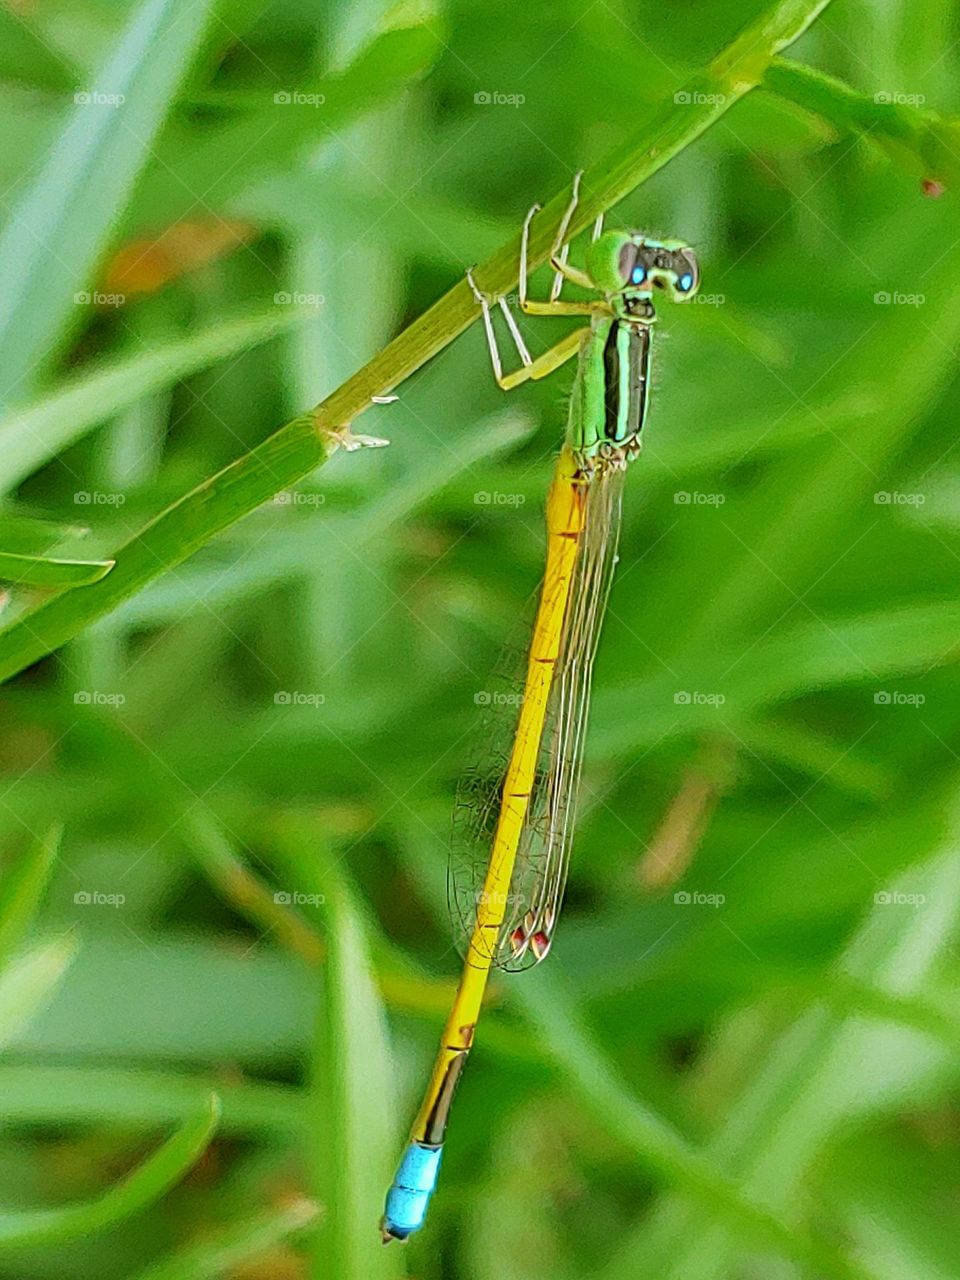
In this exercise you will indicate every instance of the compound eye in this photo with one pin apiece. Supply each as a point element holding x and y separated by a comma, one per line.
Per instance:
<point>686,271</point>
<point>628,264</point>
<point>638,274</point>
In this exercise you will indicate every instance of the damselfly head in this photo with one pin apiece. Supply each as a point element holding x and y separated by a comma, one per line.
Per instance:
<point>630,264</point>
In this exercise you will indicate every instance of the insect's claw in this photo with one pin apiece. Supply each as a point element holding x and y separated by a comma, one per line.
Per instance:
<point>351,442</point>
<point>478,296</point>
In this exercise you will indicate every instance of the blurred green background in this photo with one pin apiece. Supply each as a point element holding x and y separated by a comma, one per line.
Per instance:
<point>212,215</point>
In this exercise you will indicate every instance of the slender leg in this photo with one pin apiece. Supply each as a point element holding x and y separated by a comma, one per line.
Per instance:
<point>530,367</point>
<point>561,245</point>
<point>562,270</point>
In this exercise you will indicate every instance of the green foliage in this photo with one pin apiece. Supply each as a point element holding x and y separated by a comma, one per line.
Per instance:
<point>239,690</point>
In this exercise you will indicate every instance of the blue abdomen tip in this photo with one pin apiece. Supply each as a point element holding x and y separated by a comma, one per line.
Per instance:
<point>410,1192</point>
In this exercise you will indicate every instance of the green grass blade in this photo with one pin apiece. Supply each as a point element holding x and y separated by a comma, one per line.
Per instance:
<point>661,1148</point>
<point>906,131</point>
<point>352,1136</point>
<point>22,891</point>
<point>150,1180</point>
<point>238,1246</point>
<point>24,56</point>
<point>62,223</point>
<point>225,162</point>
<point>28,983</point>
<point>30,437</point>
<point>810,1080</point>
<point>40,1093</point>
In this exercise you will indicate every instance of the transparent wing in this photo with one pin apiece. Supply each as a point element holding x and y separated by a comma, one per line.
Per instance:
<point>543,856</point>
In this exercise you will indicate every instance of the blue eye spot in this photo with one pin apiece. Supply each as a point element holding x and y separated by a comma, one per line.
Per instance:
<point>638,275</point>
<point>685,281</point>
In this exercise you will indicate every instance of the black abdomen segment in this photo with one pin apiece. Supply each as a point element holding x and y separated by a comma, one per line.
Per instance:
<point>626,376</point>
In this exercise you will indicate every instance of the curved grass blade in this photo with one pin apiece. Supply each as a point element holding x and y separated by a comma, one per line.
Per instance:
<point>147,1183</point>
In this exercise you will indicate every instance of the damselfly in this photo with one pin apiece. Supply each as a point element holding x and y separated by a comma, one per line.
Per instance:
<point>511,914</point>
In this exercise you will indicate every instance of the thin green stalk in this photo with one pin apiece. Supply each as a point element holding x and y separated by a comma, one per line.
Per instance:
<point>897,122</point>
<point>305,443</point>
